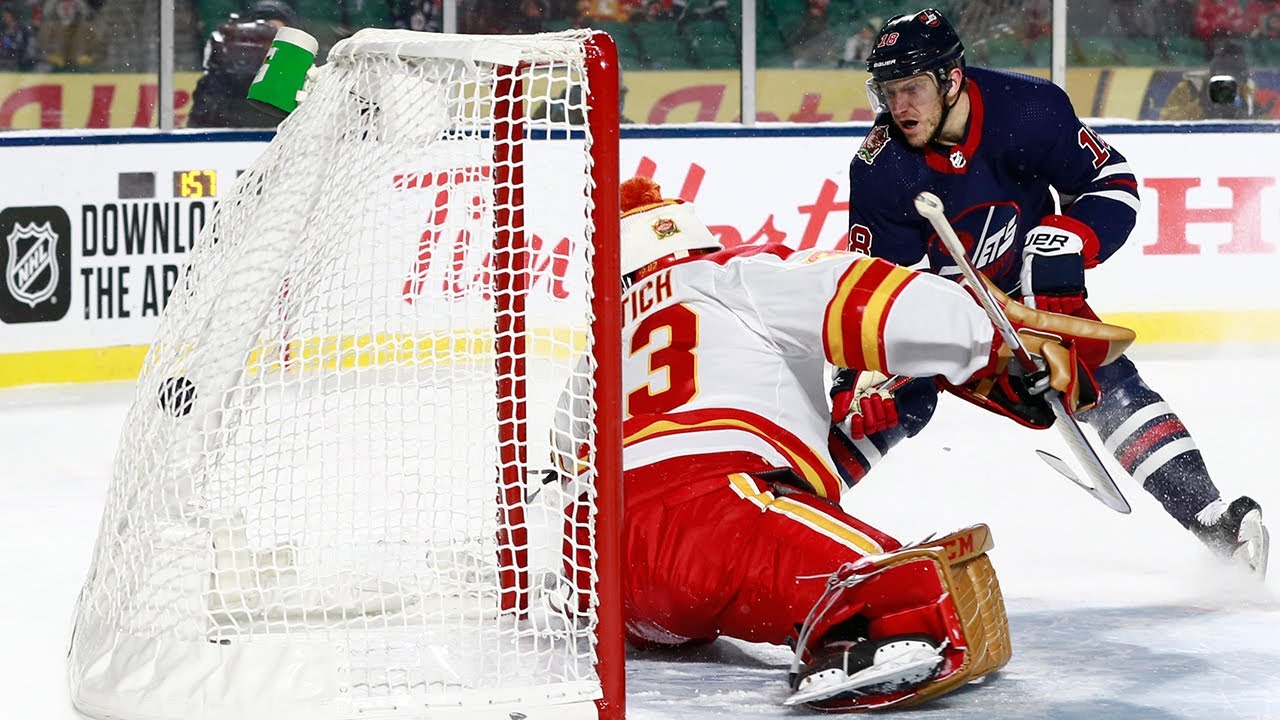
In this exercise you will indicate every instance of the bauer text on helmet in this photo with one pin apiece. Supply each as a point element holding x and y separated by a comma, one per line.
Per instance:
<point>908,45</point>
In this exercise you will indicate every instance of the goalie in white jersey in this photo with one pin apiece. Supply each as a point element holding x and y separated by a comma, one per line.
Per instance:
<point>733,522</point>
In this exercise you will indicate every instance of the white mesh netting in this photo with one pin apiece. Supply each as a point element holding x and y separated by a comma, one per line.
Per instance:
<point>370,339</point>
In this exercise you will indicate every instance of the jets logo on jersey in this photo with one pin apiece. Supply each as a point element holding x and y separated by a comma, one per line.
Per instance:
<point>665,228</point>
<point>874,143</point>
<point>988,232</point>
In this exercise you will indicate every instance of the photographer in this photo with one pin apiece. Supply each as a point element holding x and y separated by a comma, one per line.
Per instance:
<point>1223,92</point>
<point>231,60</point>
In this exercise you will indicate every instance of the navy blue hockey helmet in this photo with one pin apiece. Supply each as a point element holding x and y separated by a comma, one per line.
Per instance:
<point>911,44</point>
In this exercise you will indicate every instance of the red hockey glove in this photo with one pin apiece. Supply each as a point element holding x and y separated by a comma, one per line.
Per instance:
<point>1054,257</point>
<point>865,397</point>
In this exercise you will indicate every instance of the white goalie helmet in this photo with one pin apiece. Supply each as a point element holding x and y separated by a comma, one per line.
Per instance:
<point>654,227</point>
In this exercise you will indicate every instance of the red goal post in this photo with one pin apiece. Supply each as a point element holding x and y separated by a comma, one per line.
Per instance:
<point>326,500</point>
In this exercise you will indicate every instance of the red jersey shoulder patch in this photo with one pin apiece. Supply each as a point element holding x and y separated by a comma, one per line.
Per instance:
<point>874,143</point>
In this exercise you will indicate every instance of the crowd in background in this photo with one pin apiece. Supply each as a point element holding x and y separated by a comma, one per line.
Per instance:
<point>67,35</point>
<point>1212,49</point>
<point>43,35</point>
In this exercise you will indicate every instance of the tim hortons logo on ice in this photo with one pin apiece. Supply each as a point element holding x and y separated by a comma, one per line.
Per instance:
<point>37,264</point>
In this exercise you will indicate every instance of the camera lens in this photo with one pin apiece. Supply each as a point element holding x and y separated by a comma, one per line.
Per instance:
<point>1222,89</point>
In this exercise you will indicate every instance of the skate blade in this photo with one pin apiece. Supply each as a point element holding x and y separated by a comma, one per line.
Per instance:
<point>911,666</point>
<point>1255,547</point>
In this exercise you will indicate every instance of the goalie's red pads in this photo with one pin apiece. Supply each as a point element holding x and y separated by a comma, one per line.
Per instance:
<point>942,593</point>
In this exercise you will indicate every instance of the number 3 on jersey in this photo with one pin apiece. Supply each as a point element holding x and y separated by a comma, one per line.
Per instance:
<point>670,338</point>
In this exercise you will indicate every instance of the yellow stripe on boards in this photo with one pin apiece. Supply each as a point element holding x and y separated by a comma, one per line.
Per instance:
<point>304,354</point>
<point>1204,327</point>
<point>1201,327</point>
<point>64,366</point>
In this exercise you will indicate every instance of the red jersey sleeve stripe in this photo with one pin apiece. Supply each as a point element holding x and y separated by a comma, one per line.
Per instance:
<point>856,316</point>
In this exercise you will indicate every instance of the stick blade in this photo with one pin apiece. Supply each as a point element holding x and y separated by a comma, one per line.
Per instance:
<point>1114,500</point>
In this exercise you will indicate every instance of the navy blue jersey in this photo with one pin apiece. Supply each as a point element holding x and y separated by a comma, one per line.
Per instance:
<point>1023,137</point>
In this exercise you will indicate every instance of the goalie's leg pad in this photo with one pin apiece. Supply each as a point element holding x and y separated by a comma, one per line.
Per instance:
<point>945,590</point>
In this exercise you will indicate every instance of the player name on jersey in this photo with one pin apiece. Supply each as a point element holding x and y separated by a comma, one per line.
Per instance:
<point>646,294</point>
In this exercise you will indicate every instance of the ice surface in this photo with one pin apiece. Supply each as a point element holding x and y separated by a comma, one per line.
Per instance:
<point>1113,616</point>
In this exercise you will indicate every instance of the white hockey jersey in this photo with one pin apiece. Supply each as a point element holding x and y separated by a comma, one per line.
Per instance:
<point>727,351</point>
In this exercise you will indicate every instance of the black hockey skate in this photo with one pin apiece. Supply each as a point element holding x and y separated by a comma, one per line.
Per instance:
<point>1235,532</point>
<point>845,672</point>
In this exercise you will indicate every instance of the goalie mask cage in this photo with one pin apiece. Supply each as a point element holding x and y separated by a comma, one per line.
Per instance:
<point>328,499</point>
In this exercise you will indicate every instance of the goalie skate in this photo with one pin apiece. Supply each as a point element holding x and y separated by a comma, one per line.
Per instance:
<point>851,670</point>
<point>1235,532</point>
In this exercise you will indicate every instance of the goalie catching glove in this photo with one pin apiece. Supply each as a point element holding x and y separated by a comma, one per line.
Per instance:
<point>1068,349</point>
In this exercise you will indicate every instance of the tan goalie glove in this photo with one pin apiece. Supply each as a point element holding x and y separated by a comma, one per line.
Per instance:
<point>1071,349</point>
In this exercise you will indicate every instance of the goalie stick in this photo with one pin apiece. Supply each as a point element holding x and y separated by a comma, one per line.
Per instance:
<point>1101,485</point>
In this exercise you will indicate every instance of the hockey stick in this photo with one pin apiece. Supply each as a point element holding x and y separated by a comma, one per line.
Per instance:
<point>1101,485</point>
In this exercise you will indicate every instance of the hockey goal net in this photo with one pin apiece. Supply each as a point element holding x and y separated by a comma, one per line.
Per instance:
<point>328,500</point>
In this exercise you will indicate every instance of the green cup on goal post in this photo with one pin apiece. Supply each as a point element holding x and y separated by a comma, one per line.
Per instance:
<point>284,70</point>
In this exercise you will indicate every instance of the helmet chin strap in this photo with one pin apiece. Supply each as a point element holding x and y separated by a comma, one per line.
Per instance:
<point>946,110</point>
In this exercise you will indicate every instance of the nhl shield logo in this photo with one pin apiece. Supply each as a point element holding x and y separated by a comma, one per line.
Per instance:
<point>35,258</point>
<point>958,160</point>
<point>31,272</point>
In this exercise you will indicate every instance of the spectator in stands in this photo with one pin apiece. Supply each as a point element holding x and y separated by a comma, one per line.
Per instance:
<point>591,12</point>
<point>1173,20</point>
<point>1218,20</point>
<point>482,17</point>
<point>1037,22</point>
<point>655,10</point>
<point>1130,20</point>
<point>18,48</point>
<point>1223,92</point>
<point>67,35</point>
<point>419,15</point>
<point>810,38</point>
<point>231,60</point>
<point>858,46</point>
<point>1264,20</point>
<point>530,19</point>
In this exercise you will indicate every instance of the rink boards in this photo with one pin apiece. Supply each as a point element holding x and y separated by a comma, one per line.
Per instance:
<point>94,229</point>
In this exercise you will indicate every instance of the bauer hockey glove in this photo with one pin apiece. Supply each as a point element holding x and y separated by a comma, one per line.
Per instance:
<point>865,397</point>
<point>1053,262</point>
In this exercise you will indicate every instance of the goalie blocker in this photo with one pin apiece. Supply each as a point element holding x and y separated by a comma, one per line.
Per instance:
<point>923,620</point>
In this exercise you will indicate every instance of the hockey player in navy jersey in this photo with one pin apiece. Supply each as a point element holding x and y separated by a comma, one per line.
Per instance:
<point>993,145</point>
